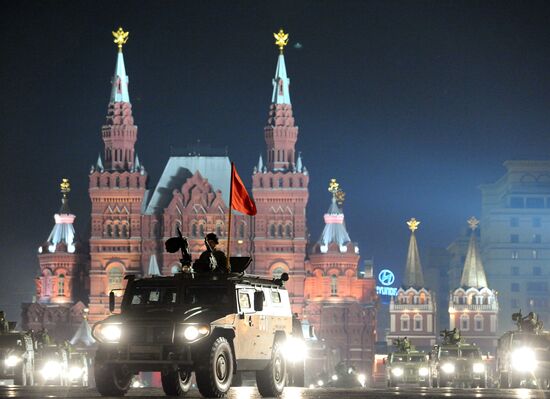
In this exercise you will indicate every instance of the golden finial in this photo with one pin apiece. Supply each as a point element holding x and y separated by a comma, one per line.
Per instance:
<point>340,197</point>
<point>473,222</point>
<point>65,186</point>
<point>121,38</point>
<point>281,39</point>
<point>333,186</point>
<point>413,224</point>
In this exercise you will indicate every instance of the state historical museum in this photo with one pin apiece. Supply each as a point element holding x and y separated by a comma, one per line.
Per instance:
<point>130,220</point>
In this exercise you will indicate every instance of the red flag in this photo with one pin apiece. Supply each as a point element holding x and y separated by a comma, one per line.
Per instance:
<point>240,200</point>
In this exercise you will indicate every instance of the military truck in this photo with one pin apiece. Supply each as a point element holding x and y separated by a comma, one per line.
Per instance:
<point>523,356</point>
<point>17,357</point>
<point>406,365</point>
<point>456,363</point>
<point>212,324</point>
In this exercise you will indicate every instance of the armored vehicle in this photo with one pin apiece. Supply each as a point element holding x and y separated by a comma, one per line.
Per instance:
<point>523,356</point>
<point>454,362</point>
<point>17,357</point>
<point>407,366</point>
<point>212,324</point>
<point>78,369</point>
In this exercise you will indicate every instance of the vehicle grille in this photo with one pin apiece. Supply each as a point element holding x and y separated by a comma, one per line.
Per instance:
<point>153,334</point>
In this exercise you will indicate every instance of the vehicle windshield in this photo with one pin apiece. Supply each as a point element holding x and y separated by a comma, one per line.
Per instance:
<point>532,340</point>
<point>10,340</point>
<point>202,295</point>
<point>151,295</point>
<point>472,353</point>
<point>417,358</point>
<point>449,353</point>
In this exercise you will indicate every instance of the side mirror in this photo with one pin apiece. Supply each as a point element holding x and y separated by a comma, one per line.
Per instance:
<point>258,301</point>
<point>111,301</point>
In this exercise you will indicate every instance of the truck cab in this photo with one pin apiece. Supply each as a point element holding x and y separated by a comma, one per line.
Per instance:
<point>17,358</point>
<point>210,324</point>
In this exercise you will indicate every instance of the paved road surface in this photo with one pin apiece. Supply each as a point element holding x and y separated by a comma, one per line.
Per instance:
<point>290,393</point>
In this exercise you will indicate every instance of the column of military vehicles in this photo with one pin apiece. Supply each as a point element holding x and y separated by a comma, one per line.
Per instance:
<point>522,360</point>
<point>28,358</point>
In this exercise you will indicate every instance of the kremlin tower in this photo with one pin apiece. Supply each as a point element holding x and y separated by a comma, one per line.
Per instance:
<point>117,187</point>
<point>339,303</point>
<point>61,284</point>
<point>473,307</point>
<point>413,310</point>
<point>280,190</point>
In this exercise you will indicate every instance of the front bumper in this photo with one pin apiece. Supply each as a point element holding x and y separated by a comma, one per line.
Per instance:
<point>145,357</point>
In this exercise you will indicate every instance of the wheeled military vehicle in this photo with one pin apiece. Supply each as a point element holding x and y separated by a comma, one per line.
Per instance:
<point>52,365</point>
<point>523,356</point>
<point>407,366</point>
<point>78,369</point>
<point>212,324</point>
<point>17,357</point>
<point>456,363</point>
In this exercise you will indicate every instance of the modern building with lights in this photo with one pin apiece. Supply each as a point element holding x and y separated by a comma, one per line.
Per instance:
<point>515,239</point>
<point>413,310</point>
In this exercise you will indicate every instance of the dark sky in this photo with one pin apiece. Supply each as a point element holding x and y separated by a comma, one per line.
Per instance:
<point>411,105</point>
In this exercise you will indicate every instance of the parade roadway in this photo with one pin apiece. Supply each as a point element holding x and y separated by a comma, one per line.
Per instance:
<point>289,393</point>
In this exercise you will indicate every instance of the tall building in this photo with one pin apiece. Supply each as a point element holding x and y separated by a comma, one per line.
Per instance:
<point>340,303</point>
<point>413,310</point>
<point>473,306</point>
<point>280,190</point>
<point>514,239</point>
<point>63,279</point>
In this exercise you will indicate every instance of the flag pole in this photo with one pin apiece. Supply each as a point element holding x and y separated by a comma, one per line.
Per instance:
<point>228,265</point>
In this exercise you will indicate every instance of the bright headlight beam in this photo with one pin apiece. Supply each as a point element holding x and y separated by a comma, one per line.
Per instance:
<point>448,368</point>
<point>524,360</point>
<point>191,333</point>
<point>423,371</point>
<point>478,368</point>
<point>294,350</point>
<point>398,371</point>
<point>51,370</point>
<point>12,360</point>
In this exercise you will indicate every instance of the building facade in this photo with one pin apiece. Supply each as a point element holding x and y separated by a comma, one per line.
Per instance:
<point>515,247</point>
<point>413,311</point>
<point>473,306</point>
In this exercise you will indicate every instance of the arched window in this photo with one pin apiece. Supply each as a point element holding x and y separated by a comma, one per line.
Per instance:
<point>219,226</point>
<point>261,181</point>
<point>201,230</point>
<point>117,231</point>
<point>109,230</point>
<point>464,322</point>
<point>241,230</point>
<point>478,322</point>
<point>277,272</point>
<point>281,182</point>
<point>193,230</point>
<point>333,285</point>
<point>280,230</point>
<point>115,278</point>
<point>272,230</point>
<point>405,319</point>
<point>417,322</point>
<point>61,285</point>
<point>288,231</point>
<point>125,230</point>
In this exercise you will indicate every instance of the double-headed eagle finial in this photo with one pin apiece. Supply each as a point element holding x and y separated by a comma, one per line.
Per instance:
<point>121,38</point>
<point>473,222</point>
<point>65,187</point>
<point>337,192</point>
<point>413,224</point>
<point>281,39</point>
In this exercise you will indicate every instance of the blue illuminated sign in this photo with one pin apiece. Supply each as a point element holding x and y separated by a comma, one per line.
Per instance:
<point>386,278</point>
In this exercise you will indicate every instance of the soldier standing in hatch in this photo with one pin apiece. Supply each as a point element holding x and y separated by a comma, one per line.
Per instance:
<point>212,256</point>
<point>4,326</point>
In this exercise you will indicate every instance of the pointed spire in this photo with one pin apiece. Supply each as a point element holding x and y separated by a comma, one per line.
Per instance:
<point>473,274</point>
<point>299,163</point>
<point>83,334</point>
<point>63,230</point>
<point>260,163</point>
<point>153,266</point>
<point>99,163</point>
<point>413,270</point>
<point>137,164</point>
<point>281,82</point>
<point>335,229</point>
<point>119,91</point>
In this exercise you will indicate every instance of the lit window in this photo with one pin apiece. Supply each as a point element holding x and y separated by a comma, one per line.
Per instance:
<point>405,322</point>
<point>417,323</point>
<point>333,285</point>
<point>115,278</point>
<point>464,323</point>
<point>478,323</point>
<point>61,285</point>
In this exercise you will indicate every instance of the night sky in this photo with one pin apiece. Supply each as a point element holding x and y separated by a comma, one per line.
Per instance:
<point>411,105</point>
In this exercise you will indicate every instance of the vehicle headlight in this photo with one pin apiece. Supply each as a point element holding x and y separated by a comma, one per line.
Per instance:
<point>334,377</point>
<point>398,371</point>
<point>320,383</point>
<point>294,349</point>
<point>107,332</point>
<point>51,370</point>
<point>75,372</point>
<point>524,360</point>
<point>362,378</point>
<point>12,360</point>
<point>479,368</point>
<point>423,371</point>
<point>448,368</point>
<point>194,332</point>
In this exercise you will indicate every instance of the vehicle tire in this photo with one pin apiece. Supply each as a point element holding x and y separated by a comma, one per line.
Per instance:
<point>20,376</point>
<point>176,382</point>
<point>272,380</point>
<point>111,380</point>
<point>215,373</point>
